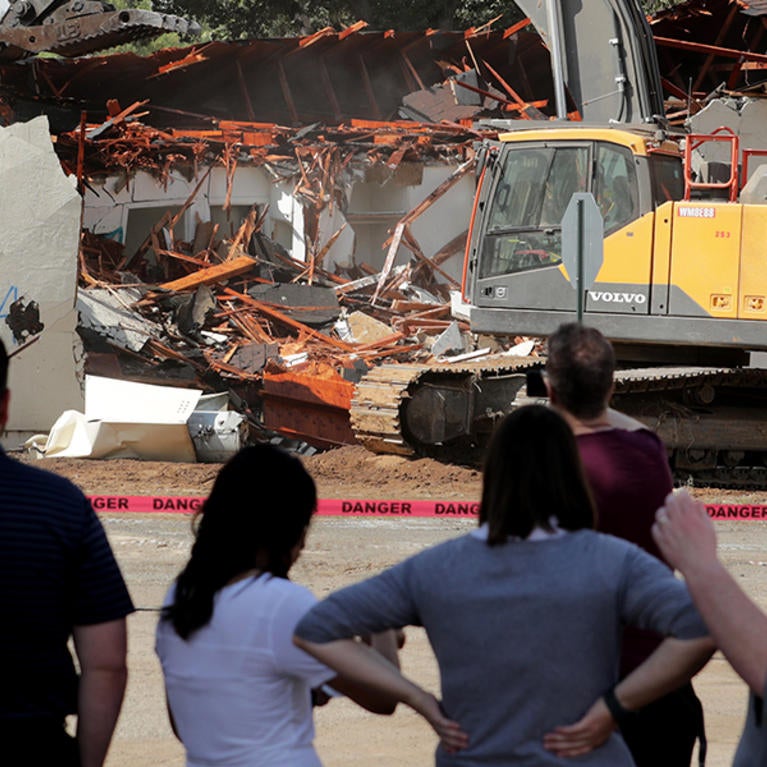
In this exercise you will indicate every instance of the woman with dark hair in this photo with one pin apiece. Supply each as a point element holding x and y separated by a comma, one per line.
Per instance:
<point>524,616</point>
<point>533,479</point>
<point>239,692</point>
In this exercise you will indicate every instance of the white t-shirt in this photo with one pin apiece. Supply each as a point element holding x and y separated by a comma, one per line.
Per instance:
<point>239,689</point>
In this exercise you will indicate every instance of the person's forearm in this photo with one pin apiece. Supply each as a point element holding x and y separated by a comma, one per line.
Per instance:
<point>674,662</point>
<point>385,644</point>
<point>100,698</point>
<point>736,624</point>
<point>366,668</point>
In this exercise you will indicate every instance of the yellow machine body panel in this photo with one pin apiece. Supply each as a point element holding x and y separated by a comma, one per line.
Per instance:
<point>674,271</point>
<point>639,143</point>
<point>661,261</point>
<point>628,253</point>
<point>752,295</point>
<point>705,258</point>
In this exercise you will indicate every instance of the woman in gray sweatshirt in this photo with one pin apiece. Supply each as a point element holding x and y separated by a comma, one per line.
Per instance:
<point>524,616</point>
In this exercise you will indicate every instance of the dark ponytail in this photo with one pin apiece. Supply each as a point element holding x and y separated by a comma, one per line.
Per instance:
<point>260,505</point>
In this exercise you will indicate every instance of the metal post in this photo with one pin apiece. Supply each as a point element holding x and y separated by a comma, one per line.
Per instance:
<point>556,50</point>
<point>581,255</point>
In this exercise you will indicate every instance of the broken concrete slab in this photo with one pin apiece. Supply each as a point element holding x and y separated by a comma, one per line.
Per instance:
<point>450,341</point>
<point>753,130</point>
<point>745,117</point>
<point>107,312</point>
<point>755,190</point>
<point>719,113</point>
<point>366,329</point>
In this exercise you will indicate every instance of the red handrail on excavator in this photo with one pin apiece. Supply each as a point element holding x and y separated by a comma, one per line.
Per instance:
<point>693,141</point>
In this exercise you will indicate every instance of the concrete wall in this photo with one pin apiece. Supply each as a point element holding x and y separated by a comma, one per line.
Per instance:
<point>746,117</point>
<point>40,233</point>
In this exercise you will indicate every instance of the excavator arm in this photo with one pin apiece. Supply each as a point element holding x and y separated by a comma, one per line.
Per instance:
<point>603,52</point>
<point>79,27</point>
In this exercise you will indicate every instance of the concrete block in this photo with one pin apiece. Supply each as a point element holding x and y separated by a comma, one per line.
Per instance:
<point>449,342</point>
<point>40,226</point>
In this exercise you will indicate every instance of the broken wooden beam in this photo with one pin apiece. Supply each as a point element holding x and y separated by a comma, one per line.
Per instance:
<point>212,274</point>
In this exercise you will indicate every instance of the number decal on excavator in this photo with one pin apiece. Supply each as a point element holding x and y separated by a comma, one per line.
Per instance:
<point>684,211</point>
<point>722,234</point>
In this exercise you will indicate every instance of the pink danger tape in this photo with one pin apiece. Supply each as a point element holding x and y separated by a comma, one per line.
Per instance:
<point>331,507</point>
<point>737,510</point>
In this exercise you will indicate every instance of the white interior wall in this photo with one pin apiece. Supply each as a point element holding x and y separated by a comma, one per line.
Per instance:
<point>109,205</point>
<point>375,209</point>
<point>446,218</point>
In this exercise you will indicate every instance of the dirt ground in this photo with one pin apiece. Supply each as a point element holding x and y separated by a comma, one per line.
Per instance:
<point>152,547</point>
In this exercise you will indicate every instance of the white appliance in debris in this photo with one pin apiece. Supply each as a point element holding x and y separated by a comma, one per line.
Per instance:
<point>217,432</point>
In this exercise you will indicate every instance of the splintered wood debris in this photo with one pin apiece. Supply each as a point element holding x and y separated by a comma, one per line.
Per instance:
<point>288,338</point>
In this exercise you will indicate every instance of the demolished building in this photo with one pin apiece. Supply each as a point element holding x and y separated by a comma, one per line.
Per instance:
<point>273,217</point>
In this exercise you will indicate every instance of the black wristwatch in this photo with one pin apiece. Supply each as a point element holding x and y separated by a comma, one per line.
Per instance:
<point>621,715</point>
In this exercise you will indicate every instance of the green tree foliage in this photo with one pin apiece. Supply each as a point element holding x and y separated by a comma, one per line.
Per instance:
<point>653,6</point>
<point>235,19</point>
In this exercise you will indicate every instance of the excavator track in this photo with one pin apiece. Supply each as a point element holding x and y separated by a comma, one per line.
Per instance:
<point>382,418</point>
<point>713,420</point>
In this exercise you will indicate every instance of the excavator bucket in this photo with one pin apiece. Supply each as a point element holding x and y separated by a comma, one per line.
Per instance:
<point>80,27</point>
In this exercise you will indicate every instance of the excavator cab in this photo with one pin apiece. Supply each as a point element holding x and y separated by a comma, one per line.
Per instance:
<point>516,249</point>
<point>681,265</point>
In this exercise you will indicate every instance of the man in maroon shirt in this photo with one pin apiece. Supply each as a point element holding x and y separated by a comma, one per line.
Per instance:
<point>627,469</point>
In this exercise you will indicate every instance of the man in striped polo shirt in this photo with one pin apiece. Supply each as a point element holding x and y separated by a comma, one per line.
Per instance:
<point>58,580</point>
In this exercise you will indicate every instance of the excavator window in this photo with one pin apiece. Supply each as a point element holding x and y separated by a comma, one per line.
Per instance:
<point>530,198</point>
<point>615,187</point>
<point>667,178</point>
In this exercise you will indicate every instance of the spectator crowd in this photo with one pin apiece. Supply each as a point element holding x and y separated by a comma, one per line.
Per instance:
<point>566,635</point>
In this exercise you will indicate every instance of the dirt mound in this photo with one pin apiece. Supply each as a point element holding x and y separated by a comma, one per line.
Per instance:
<point>122,476</point>
<point>347,472</point>
<point>356,472</point>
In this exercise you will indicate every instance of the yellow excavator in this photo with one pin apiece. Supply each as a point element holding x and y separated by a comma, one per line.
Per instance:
<point>681,288</point>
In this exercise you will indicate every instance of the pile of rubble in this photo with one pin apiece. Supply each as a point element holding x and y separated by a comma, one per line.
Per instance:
<point>287,338</point>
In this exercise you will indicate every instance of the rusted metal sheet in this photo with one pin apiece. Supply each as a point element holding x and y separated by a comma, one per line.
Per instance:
<point>313,409</point>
